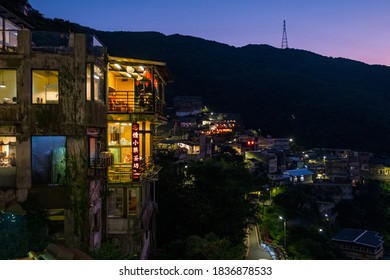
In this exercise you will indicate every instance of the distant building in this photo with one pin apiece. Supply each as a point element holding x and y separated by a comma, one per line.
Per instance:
<point>274,143</point>
<point>360,244</point>
<point>299,176</point>
<point>378,169</point>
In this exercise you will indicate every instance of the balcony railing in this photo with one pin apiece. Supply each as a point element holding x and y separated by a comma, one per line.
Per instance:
<point>104,160</point>
<point>120,173</point>
<point>129,102</point>
<point>51,42</point>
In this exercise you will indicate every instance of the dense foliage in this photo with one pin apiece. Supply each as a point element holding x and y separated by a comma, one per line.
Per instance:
<point>20,234</point>
<point>369,209</point>
<point>203,206</point>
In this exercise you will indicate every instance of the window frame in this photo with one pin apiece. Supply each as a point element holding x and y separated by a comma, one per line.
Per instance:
<point>34,99</point>
<point>33,167</point>
<point>13,99</point>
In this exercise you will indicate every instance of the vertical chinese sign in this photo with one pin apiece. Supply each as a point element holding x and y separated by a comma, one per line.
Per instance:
<point>135,149</point>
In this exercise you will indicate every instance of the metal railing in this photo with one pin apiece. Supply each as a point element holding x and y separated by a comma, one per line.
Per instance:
<point>131,102</point>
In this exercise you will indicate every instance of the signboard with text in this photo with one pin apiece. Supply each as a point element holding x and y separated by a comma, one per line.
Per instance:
<point>136,156</point>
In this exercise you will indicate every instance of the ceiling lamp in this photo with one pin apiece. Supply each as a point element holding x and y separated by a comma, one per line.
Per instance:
<point>117,66</point>
<point>129,69</point>
<point>128,74</point>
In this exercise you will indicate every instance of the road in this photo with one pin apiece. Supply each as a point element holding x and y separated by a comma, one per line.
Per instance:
<point>255,251</point>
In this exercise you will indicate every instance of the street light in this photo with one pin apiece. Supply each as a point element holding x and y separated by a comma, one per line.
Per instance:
<point>284,231</point>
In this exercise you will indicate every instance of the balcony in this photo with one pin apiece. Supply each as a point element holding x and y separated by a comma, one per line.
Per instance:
<point>127,102</point>
<point>120,173</point>
<point>64,43</point>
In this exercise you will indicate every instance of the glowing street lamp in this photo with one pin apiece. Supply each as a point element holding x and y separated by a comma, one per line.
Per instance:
<point>284,231</point>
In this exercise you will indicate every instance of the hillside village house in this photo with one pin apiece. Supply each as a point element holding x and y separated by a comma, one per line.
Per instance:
<point>76,133</point>
<point>136,103</point>
<point>52,127</point>
<point>360,244</point>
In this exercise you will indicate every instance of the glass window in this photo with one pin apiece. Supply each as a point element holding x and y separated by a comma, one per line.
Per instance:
<point>99,84</point>
<point>93,151</point>
<point>45,87</point>
<point>48,160</point>
<point>8,86</point>
<point>8,25</point>
<point>95,87</point>
<point>119,134</point>
<point>7,161</point>
<point>88,82</point>
<point>8,35</point>
<point>119,142</point>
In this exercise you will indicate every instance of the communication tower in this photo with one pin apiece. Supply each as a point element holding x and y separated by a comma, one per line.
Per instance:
<point>284,38</point>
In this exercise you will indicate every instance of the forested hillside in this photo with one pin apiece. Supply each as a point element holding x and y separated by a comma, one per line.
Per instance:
<point>319,101</point>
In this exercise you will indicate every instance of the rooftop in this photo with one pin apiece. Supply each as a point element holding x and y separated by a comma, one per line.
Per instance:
<point>359,236</point>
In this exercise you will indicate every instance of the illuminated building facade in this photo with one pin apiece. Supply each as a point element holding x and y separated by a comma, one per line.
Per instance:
<point>136,103</point>
<point>53,128</point>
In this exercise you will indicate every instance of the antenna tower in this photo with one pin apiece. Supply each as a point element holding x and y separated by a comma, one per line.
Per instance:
<point>284,38</point>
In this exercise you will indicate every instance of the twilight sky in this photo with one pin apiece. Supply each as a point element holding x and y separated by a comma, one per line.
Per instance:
<point>355,29</point>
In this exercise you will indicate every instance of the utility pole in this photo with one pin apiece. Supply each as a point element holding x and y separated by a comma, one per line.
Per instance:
<point>284,37</point>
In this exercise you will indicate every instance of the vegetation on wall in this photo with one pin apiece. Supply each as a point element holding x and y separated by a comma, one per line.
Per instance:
<point>79,193</point>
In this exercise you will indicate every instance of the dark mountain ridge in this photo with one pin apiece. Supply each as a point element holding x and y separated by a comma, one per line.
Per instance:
<point>319,101</point>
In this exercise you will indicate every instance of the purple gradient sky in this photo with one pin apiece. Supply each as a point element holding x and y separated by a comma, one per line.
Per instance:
<point>355,29</point>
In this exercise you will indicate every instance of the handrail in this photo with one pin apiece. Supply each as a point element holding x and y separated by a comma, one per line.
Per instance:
<point>131,102</point>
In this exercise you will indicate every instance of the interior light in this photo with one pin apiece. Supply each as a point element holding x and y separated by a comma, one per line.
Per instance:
<point>128,74</point>
<point>117,66</point>
<point>142,68</point>
<point>96,77</point>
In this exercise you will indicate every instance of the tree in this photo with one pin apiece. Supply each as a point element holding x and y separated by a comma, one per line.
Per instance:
<point>212,248</point>
<point>204,197</point>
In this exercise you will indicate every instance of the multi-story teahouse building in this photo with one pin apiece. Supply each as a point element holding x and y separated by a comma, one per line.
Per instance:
<point>135,108</point>
<point>76,134</point>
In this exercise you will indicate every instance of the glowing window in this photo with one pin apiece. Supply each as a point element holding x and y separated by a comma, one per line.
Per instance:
<point>45,87</point>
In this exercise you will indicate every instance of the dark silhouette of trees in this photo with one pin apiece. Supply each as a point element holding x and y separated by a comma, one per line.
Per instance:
<point>204,199</point>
